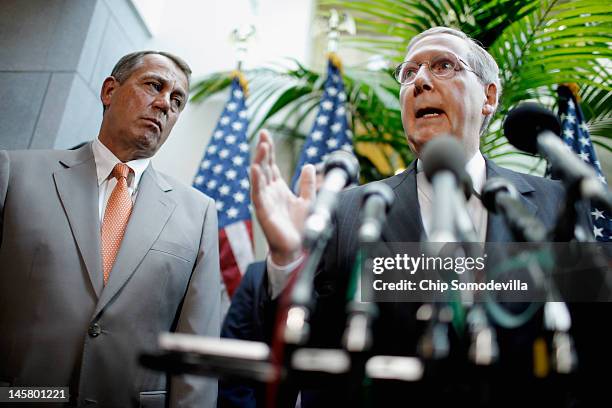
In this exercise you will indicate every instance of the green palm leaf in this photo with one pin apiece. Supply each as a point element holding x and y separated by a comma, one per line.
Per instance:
<point>537,44</point>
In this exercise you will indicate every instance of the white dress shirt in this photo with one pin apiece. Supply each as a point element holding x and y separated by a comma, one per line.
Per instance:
<point>105,162</point>
<point>475,167</point>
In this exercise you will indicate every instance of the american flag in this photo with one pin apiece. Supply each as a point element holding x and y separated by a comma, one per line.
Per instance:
<point>223,175</point>
<point>576,135</point>
<point>330,131</point>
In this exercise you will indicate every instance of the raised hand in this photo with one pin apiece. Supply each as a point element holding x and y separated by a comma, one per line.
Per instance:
<point>281,213</point>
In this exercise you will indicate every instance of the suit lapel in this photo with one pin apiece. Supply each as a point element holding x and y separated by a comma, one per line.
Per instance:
<point>404,222</point>
<point>152,210</point>
<point>78,191</point>
<point>497,230</point>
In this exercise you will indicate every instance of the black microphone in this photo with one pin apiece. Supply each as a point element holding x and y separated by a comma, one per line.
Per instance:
<point>444,165</point>
<point>180,353</point>
<point>341,170</point>
<point>499,196</point>
<point>466,184</point>
<point>534,129</point>
<point>443,153</point>
<point>377,201</point>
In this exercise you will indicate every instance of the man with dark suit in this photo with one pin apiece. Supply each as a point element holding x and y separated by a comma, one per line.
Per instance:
<point>99,253</point>
<point>248,318</point>
<point>245,320</point>
<point>450,86</point>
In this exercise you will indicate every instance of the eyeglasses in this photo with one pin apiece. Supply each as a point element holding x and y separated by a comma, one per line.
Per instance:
<point>443,65</point>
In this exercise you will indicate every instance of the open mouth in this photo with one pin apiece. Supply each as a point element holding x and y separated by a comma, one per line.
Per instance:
<point>429,113</point>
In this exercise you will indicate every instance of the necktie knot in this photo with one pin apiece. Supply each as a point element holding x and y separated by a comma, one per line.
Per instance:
<point>121,170</point>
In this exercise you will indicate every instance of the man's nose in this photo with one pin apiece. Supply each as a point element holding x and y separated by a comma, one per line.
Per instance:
<point>162,102</point>
<point>423,80</point>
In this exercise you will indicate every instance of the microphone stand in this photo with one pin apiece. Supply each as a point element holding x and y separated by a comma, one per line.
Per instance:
<point>292,327</point>
<point>292,324</point>
<point>358,336</point>
<point>483,349</point>
<point>297,328</point>
<point>568,227</point>
<point>457,227</point>
<point>525,228</point>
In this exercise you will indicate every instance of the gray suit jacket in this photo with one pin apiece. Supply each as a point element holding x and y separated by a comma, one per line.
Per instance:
<point>59,325</point>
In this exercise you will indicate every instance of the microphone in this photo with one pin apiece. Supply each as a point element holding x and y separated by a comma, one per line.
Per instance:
<point>180,353</point>
<point>444,165</point>
<point>499,196</point>
<point>534,129</point>
<point>377,201</point>
<point>464,224</point>
<point>466,184</point>
<point>341,170</point>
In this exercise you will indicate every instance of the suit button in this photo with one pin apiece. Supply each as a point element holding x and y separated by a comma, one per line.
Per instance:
<point>94,330</point>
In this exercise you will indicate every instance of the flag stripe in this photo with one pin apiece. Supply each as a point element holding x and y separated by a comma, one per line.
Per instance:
<point>223,175</point>
<point>229,267</point>
<point>240,238</point>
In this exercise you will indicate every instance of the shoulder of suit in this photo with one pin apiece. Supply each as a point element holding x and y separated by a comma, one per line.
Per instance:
<point>35,158</point>
<point>541,184</point>
<point>39,153</point>
<point>255,271</point>
<point>352,193</point>
<point>180,188</point>
<point>350,198</point>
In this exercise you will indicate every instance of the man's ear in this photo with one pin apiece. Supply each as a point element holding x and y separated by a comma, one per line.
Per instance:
<point>108,87</point>
<point>491,100</point>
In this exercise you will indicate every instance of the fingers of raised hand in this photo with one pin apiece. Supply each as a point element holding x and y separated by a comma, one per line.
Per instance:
<point>307,182</point>
<point>261,160</point>
<point>257,183</point>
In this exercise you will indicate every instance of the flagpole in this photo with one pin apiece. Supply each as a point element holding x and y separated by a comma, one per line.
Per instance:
<point>223,176</point>
<point>240,36</point>
<point>337,27</point>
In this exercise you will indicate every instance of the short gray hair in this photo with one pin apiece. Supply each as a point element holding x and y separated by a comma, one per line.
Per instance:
<point>479,60</point>
<point>129,63</point>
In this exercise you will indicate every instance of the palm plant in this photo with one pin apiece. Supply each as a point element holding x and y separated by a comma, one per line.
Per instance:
<point>537,44</point>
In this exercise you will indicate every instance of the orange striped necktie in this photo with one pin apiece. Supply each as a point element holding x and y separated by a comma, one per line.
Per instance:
<point>116,216</point>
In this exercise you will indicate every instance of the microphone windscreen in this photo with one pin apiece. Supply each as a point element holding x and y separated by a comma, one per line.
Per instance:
<point>443,153</point>
<point>346,161</point>
<point>382,190</point>
<point>492,186</point>
<point>525,122</point>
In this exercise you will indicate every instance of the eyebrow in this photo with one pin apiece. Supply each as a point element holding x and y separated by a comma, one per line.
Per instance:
<point>164,81</point>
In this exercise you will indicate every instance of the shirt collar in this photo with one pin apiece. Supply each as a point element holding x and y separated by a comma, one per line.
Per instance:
<point>475,167</point>
<point>106,161</point>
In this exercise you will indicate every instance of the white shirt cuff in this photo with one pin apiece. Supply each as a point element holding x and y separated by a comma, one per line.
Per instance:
<point>278,275</point>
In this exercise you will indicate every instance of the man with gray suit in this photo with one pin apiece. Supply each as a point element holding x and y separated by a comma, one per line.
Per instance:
<point>99,252</point>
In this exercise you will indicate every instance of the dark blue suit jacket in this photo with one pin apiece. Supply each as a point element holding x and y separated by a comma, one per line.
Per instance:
<point>245,321</point>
